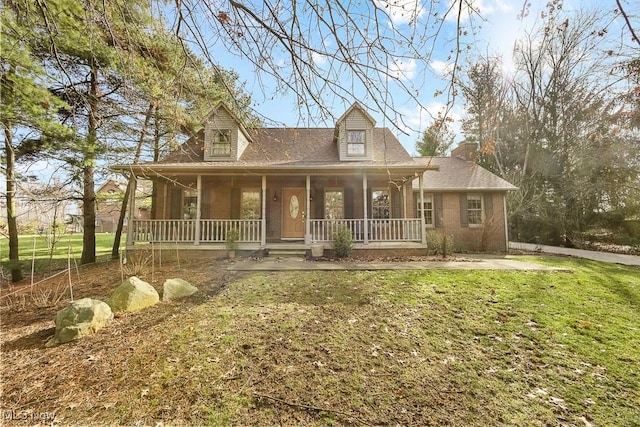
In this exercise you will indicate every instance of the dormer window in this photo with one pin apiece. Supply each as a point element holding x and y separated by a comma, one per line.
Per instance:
<point>356,143</point>
<point>221,145</point>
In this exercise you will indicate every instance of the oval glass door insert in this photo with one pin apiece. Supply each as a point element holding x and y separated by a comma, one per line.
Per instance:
<point>294,206</point>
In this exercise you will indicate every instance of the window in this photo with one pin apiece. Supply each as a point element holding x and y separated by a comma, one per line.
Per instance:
<point>333,204</point>
<point>380,204</point>
<point>428,209</point>
<point>221,145</point>
<point>355,143</point>
<point>189,204</point>
<point>250,204</point>
<point>474,209</point>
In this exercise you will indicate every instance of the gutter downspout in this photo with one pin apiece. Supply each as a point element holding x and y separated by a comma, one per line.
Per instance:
<point>423,237</point>
<point>506,226</point>
<point>307,223</point>
<point>196,240</point>
<point>366,216</point>
<point>263,231</point>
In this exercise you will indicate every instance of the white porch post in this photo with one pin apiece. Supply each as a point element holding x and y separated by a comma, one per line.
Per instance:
<point>198,209</point>
<point>263,225</point>
<point>404,200</point>
<point>506,225</point>
<point>165,194</point>
<point>307,223</point>
<point>423,236</point>
<point>405,231</point>
<point>132,207</point>
<point>365,213</point>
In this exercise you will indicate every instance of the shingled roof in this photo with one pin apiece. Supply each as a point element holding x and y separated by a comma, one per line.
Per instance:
<point>281,147</point>
<point>455,174</point>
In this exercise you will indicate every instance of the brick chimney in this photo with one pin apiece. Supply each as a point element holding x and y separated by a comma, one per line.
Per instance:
<point>466,151</point>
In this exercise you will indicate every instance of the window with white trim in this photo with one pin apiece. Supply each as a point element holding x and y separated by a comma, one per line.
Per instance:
<point>221,144</point>
<point>380,204</point>
<point>474,209</point>
<point>356,143</point>
<point>334,203</point>
<point>428,209</point>
<point>250,206</point>
<point>189,204</point>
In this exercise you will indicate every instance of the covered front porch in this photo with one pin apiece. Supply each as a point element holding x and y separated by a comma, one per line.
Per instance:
<point>204,231</point>
<point>271,210</point>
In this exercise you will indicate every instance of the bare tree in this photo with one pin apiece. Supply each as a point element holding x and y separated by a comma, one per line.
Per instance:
<point>327,51</point>
<point>560,134</point>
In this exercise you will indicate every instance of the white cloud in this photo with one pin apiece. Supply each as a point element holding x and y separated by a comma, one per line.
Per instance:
<point>401,12</point>
<point>502,32</point>
<point>318,59</point>
<point>416,120</point>
<point>403,69</point>
<point>485,8</point>
<point>441,67</point>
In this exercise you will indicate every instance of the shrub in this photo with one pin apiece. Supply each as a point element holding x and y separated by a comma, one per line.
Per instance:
<point>342,242</point>
<point>439,243</point>
<point>232,239</point>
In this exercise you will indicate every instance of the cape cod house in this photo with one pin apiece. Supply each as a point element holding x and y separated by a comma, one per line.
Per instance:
<point>293,187</point>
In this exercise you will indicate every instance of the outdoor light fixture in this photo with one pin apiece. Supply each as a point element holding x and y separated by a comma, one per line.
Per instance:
<point>275,196</point>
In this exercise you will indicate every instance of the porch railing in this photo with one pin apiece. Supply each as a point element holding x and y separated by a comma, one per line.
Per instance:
<point>322,230</point>
<point>379,230</point>
<point>164,230</point>
<point>180,230</point>
<point>250,230</point>
<point>215,230</point>
<point>394,230</point>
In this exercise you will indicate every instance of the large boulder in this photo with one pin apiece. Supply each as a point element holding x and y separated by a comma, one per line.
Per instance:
<point>176,289</point>
<point>82,317</point>
<point>133,295</point>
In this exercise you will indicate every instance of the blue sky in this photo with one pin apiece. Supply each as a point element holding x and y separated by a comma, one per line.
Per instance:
<point>495,34</point>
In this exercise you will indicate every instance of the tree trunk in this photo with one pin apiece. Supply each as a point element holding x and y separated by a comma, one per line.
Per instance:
<point>12,225</point>
<point>156,157</point>
<point>117,238</point>
<point>115,250</point>
<point>89,192</point>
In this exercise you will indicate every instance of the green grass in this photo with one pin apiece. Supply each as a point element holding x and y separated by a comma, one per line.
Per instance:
<point>59,255</point>
<point>403,347</point>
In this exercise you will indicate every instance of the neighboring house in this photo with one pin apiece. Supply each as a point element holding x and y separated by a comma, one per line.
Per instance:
<point>290,187</point>
<point>109,197</point>
<point>108,203</point>
<point>465,200</point>
<point>38,206</point>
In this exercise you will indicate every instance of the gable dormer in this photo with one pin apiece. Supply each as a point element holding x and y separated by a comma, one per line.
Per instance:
<point>225,139</point>
<point>355,134</point>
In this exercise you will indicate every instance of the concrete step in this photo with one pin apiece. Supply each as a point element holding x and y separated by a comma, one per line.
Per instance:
<point>287,253</point>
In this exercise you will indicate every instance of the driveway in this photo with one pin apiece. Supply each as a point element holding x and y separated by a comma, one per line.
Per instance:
<point>578,253</point>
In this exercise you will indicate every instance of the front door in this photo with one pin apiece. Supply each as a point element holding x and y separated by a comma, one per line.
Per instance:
<point>293,212</point>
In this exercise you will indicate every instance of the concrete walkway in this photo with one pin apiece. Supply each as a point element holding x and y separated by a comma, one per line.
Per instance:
<point>579,253</point>
<point>476,263</point>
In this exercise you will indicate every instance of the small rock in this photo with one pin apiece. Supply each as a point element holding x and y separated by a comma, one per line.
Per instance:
<point>177,288</point>
<point>133,295</point>
<point>82,317</point>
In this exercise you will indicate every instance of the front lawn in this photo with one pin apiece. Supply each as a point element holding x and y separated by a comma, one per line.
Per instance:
<point>375,348</point>
<point>52,253</point>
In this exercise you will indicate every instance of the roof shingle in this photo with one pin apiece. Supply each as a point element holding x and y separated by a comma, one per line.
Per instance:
<point>454,173</point>
<point>295,146</point>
